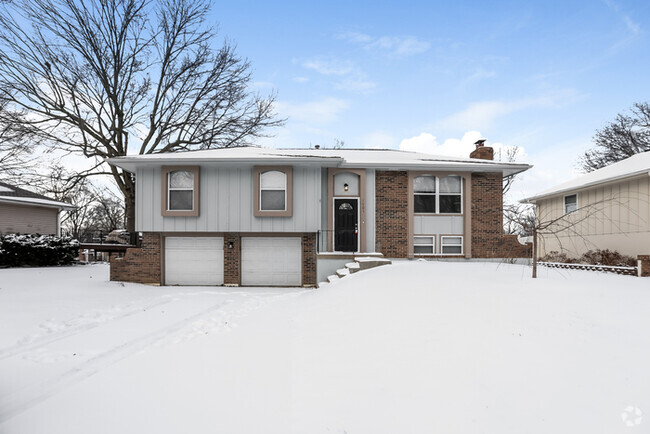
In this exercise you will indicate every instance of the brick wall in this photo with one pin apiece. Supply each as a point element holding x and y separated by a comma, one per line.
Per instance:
<point>309,259</point>
<point>139,265</point>
<point>488,239</point>
<point>231,258</point>
<point>391,213</point>
<point>644,265</point>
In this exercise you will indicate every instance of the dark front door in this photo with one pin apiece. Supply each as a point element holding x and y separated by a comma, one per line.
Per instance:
<point>346,230</point>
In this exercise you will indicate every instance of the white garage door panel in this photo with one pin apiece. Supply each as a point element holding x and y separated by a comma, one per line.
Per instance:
<point>194,261</point>
<point>271,261</point>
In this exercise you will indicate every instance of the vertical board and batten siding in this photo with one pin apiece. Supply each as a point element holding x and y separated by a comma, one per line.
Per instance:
<point>226,203</point>
<point>614,216</point>
<point>27,219</point>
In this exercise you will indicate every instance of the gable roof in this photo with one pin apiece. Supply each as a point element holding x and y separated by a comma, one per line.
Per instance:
<point>366,158</point>
<point>19,196</point>
<point>635,165</point>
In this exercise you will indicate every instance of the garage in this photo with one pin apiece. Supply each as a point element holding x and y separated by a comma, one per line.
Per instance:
<point>194,261</point>
<point>271,261</point>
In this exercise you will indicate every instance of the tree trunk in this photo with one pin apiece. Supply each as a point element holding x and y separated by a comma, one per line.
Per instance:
<point>535,253</point>
<point>129,202</point>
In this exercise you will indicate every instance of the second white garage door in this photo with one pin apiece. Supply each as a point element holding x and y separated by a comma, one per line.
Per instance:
<point>271,261</point>
<point>194,261</point>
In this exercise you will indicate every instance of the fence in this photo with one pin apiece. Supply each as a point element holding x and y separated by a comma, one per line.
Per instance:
<point>629,271</point>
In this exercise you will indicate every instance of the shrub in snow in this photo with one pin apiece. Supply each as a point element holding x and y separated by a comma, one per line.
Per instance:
<point>37,250</point>
<point>592,257</point>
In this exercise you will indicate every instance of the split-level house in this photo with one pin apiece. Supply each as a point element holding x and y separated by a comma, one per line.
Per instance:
<point>258,216</point>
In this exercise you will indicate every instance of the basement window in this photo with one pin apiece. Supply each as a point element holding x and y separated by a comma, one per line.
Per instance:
<point>424,245</point>
<point>451,245</point>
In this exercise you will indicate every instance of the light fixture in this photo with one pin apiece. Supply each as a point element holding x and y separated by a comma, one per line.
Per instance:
<point>231,244</point>
<point>346,187</point>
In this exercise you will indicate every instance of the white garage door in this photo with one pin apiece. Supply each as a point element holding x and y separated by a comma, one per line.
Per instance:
<point>194,261</point>
<point>271,261</point>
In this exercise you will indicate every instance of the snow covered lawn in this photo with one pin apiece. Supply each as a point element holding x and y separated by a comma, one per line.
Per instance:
<point>415,347</point>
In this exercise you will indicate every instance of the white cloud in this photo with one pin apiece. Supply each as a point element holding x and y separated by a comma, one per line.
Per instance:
<point>313,112</point>
<point>397,46</point>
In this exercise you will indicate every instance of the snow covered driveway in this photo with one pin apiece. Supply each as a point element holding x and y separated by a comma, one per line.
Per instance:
<point>412,347</point>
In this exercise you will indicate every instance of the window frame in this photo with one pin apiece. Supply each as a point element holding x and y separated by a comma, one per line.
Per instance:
<point>165,174</point>
<point>438,193</point>
<point>461,245</point>
<point>257,191</point>
<point>564,203</point>
<point>433,245</point>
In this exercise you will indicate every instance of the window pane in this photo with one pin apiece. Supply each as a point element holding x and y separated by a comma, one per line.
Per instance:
<point>181,179</point>
<point>181,200</point>
<point>424,184</point>
<point>423,240</point>
<point>425,203</point>
<point>452,250</point>
<point>450,184</point>
<point>272,200</point>
<point>423,250</point>
<point>452,240</point>
<point>273,179</point>
<point>450,204</point>
<point>570,203</point>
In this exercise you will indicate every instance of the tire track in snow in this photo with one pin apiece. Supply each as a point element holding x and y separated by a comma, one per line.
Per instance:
<point>22,348</point>
<point>22,400</point>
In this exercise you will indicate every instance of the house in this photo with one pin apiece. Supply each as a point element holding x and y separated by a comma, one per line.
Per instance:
<point>259,216</point>
<point>25,212</point>
<point>604,209</point>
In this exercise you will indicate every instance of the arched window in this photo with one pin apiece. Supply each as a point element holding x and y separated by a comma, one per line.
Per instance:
<point>180,190</point>
<point>273,191</point>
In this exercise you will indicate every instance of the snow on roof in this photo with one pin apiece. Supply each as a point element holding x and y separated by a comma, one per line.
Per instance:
<point>371,158</point>
<point>633,166</point>
<point>36,201</point>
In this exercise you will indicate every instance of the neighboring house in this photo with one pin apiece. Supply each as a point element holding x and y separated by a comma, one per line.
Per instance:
<point>259,216</point>
<point>25,212</point>
<point>604,209</point>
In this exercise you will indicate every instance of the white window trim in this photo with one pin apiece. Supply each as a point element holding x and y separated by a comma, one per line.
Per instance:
<point>437,194</point>
<point>273,189</point>
<point>442,245</point>
<point>170,189</point>
<point>564,203</point>
<point>433,246</point>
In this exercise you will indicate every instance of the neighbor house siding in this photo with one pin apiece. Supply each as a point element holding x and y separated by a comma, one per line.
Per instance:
<point>226,203</point>
<point>613,216</point>
<point>27,219</point>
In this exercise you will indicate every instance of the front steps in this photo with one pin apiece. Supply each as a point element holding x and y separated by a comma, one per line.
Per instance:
<point>360,263</point>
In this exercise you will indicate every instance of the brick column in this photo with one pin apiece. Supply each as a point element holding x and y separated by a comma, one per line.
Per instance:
<point>231,259</point>
<point>309,259</point>
<point>391,200</point>
<point>140,265</point>
<point>644,265</point>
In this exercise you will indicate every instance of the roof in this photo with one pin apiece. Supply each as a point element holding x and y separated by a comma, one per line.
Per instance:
<point>367,158</point>
<point>16,195</point>
<point>635,165</point>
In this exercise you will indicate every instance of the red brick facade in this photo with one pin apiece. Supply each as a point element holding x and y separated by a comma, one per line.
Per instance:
<point>141,265</point>
<point>391,198</point>
<point>644,265</point>
<point>488,239</point>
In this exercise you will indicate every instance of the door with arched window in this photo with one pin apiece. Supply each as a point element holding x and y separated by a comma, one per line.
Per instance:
<point>346,225</point>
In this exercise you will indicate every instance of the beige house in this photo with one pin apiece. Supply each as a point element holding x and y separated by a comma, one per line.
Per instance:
<point>26,212</point>
<point>608,208</point>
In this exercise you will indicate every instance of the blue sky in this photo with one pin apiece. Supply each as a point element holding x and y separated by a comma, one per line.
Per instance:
<point>539,75</point>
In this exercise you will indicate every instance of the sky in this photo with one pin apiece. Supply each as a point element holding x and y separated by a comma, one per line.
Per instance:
<point>434,76</point>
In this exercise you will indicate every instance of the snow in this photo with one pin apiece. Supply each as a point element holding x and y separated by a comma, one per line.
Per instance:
<point>419,347</point>
<point>384,158</point>
<point>635,165</point>
<point>36,201</point>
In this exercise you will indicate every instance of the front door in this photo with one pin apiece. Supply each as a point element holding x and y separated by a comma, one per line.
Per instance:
<point>346,228</point>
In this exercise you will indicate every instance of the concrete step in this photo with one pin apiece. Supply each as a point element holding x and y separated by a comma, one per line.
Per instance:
<point>366,263</point>
<point>333,278</point>
<point>342,272</point>
<point>353,267</point>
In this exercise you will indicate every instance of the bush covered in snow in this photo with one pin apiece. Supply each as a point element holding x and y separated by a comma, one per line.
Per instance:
<point>592,257</point>
<point>37,250</point>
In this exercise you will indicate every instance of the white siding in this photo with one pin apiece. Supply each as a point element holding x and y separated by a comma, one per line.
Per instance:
<point>429,225</point>
<point>226,203</point>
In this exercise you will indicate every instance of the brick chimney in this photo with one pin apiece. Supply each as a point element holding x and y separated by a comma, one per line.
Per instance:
<point>482,152</point>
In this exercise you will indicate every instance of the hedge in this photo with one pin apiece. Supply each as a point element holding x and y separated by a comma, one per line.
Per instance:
<point>37,250</point>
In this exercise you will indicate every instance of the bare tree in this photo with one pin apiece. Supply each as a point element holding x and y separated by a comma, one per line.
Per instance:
<point>107,78</point>
<point>626,136</point>
<point>511,154</point>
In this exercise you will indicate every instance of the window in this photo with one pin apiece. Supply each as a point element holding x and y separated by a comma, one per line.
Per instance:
<point>273,190</point>
<point>451,245</point>
<point>437,195</point>
<point>424,199</point>
<point>424,245</point>
<point>180,191</point>
<point>570,203</point>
